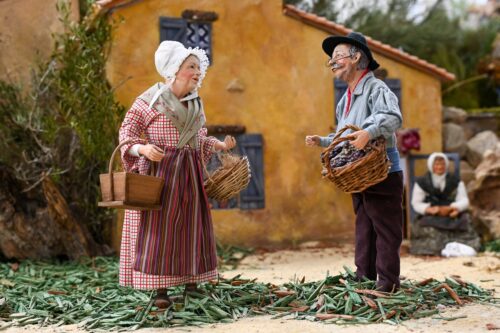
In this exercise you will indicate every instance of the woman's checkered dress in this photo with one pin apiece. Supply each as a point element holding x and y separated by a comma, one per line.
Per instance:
<point>174,245</point>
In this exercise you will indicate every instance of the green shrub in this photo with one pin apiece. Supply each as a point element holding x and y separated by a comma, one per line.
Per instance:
<point>65,126</point>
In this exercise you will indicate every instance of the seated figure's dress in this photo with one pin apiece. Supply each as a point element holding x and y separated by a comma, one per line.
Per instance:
<point>430,233</point>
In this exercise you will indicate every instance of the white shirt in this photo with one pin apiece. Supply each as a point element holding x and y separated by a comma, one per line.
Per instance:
<point>419,206</point>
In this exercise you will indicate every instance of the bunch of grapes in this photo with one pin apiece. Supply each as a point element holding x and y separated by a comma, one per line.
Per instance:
<point>346,154</point>
<point>335,151</point>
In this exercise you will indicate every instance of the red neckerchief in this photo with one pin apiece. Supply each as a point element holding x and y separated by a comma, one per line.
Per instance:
<point>348,106</point>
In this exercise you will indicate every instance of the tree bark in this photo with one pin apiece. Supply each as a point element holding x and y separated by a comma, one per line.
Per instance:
<point>39,224</point>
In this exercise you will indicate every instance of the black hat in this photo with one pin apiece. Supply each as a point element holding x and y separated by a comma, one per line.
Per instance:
<point>353,38</point>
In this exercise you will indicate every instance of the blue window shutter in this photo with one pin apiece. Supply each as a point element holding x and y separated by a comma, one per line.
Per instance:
<point>173,29</point>
<point>340,87</point>
<point>199,34</point>
<point>251,145</point>
<point>395,86</point>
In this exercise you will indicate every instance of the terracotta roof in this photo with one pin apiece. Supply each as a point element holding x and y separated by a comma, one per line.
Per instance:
<point>109,4</point>
<point>375,45</point>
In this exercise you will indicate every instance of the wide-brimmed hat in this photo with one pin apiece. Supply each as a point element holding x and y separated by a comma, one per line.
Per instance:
<point>353,38</point>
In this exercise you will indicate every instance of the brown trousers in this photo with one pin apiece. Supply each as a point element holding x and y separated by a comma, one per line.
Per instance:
<point>379,231</point>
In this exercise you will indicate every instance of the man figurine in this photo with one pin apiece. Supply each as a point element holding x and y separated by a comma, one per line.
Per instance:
<point>370,105</point>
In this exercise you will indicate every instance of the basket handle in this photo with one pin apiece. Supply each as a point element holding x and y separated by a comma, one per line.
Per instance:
<point>203,159</point>
<point>351,127</point>
<point>111,161</point>
<point>336,140</point>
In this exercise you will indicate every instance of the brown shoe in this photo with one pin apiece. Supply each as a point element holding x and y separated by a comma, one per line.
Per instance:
<point>162,301</point>
<point>191,287</point>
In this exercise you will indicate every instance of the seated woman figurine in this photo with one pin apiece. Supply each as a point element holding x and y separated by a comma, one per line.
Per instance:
<point>441,202</point>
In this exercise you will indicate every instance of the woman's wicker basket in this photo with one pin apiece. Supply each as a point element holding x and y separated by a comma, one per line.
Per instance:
<point>362,173</point>
<point>130,190</point>
<point>229,179</point>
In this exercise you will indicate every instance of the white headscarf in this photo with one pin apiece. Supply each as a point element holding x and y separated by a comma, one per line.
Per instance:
<point>168,59</point>
<point>438,181</point>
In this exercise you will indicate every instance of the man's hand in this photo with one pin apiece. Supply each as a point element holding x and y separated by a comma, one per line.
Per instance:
<point>433,210</point>
<point>312,140</point>
<point>152,152</point>
<point>360,139</point>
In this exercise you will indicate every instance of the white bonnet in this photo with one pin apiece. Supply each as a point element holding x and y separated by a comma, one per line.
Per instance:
<point>171,54</point>
<point>432,158</point>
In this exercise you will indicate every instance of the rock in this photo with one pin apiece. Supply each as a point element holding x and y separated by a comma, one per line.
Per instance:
<point>477,123</point>
<point>484,194</point>
<point>488,224</point>
<point>454,139</point>
<point>454,115</point>
<point>484,190</point>
<point>490,163</point>
<point>478,145</point>
<point>466,172</point>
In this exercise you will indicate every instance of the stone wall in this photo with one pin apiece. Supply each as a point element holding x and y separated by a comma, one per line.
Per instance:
<point>476,139</point>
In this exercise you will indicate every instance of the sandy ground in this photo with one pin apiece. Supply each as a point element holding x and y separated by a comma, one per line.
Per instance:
<point>313,261</point>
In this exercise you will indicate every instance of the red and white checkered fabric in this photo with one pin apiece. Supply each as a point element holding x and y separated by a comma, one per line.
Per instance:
<point>138,280</point>
<point>140,123</point>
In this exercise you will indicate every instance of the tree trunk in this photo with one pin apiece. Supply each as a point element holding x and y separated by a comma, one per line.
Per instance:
<point>39,224</point>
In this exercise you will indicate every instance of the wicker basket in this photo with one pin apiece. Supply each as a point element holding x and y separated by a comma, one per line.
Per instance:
<point>226,182</point>
<point>362,173</point>
<point>130,190</point>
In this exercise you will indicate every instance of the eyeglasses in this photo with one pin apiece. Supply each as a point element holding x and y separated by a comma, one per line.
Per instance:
<point>330,62</point>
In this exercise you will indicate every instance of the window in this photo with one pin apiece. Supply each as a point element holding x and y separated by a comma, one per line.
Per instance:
<point>250,145</point>
<point>191,33</point>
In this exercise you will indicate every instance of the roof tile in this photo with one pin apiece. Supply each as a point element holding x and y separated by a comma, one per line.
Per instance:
<point>375,45</point>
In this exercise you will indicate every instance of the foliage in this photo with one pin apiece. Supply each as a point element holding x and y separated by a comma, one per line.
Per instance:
<point>66,125</point>
<point>493,110</point>
<point>435,37</point>
<point>319,7</point>
<point>230,256</point>
<point>88,294</point>
<point>493,246</point>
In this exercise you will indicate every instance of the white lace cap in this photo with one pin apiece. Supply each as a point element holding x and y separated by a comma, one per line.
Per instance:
<point>168,59</point>
<point>171,54</point>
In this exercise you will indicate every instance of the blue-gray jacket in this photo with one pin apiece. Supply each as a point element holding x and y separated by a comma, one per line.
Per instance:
<point>374,107</point>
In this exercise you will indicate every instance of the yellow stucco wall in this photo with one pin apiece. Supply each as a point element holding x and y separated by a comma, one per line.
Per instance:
<point>26,28</point>
<point>288,94</point>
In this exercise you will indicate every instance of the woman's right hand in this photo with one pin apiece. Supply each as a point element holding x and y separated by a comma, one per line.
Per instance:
<point>312,140</point>
<point>152,152</point>
<point>433,210</point>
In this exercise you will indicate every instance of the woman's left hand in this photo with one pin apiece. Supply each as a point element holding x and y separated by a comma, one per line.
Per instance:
<point>228,143</point>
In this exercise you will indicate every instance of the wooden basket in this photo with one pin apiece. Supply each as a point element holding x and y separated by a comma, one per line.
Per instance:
<point>359,175</point>
<point>225,183</point>
<point>129,190</point>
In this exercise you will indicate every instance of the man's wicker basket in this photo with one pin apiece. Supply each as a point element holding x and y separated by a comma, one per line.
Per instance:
<point>229,179</point>
<point>359,175</point>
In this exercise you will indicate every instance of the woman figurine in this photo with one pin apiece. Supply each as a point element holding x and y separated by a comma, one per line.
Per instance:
<point>174,245</point>
<point>441,202</point>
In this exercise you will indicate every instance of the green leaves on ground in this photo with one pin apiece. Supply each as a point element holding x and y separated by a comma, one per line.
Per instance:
<point>88,294</point>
